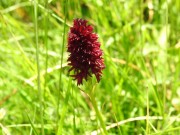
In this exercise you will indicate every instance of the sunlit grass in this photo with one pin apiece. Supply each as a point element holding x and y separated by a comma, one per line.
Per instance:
<point>139,92</point>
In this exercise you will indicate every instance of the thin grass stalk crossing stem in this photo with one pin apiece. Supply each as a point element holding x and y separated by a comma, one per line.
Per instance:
<point>64,109</point>
<point>38,65</point>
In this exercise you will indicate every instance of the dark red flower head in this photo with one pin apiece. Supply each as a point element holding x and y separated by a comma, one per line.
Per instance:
<point>85,54</point>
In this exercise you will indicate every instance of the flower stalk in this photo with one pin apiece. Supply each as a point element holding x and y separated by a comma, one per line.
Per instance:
<point>86,59</point>
<point>98,113</point>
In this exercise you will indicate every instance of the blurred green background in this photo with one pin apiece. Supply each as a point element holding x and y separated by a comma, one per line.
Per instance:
<point>141,44</point>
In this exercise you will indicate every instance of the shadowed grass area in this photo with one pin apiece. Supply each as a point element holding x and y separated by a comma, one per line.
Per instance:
<point>139,92</point>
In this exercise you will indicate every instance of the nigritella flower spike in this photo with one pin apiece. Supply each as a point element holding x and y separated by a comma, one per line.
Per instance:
<point>85,54</point>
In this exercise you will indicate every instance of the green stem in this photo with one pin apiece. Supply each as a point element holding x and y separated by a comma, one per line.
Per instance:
<point>98,113</point>
<point>61,62</point>
<point>38,64</point>
<point>147,115</point>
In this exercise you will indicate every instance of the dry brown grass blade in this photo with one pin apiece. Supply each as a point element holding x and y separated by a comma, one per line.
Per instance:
<point>96,132</point>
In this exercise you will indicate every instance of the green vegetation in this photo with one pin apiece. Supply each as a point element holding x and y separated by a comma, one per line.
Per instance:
<point>139,92</point>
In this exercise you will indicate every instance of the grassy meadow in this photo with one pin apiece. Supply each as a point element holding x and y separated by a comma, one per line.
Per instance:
<point>139,92</point>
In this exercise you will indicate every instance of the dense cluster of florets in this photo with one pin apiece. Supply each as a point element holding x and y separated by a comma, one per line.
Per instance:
<point>85,54</point>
